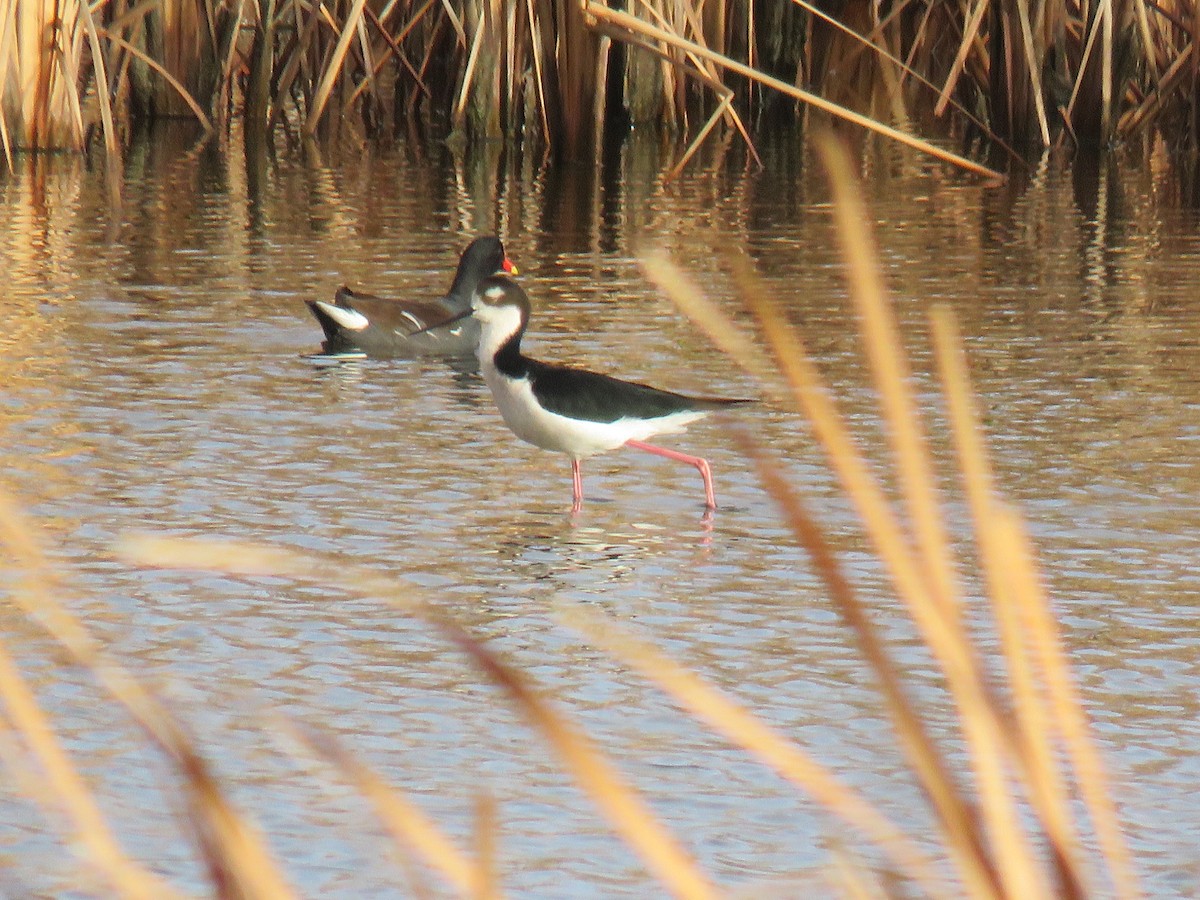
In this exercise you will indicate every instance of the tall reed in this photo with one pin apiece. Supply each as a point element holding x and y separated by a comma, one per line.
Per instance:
<point>41,45</point>
<point>1032,760</point>
<point>558,71</point>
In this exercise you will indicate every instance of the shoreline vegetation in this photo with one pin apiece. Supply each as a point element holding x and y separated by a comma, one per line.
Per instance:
<point>996,79</point>
<point>1000,748</point>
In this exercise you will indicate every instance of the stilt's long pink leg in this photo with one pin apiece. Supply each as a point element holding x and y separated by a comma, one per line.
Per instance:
<point>577,485</point>
<point>701,464</point>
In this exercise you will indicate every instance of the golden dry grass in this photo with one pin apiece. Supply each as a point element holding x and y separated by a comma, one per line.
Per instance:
<point>557,72</point>
<point>1022,775</point>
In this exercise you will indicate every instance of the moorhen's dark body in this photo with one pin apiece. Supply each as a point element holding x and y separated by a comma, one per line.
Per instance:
<point>361,325</point>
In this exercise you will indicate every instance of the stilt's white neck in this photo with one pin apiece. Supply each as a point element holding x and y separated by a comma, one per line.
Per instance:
<point>498,325</point>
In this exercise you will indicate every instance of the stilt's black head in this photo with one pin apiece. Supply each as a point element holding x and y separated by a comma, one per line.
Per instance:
<point>502,308</point>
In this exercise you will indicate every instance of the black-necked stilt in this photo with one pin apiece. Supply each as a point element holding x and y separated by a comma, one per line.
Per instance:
<point>574,411</point>
<point>362,325</point>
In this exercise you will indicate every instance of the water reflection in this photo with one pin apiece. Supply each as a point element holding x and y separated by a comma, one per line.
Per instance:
<point>159,381</point>
<point>594,550</point>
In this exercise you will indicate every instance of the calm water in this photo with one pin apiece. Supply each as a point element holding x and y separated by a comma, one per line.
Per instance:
<point>154,379</point>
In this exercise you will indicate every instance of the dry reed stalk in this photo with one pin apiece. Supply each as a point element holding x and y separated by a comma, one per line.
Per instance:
<point>7,9</point>
<point>626,811</point>
<point>725,333</point>
<point>1033,61</point>
<point>297,63</point>
<point>1079,85</point>
<point>67,53</point>
<point>231,848</point>
<point>536,42</point>
<point>40,46</point>
<point>724,108</point>
<point>956,817</point>
<point>681,19</point>
<point>577,89</point>
<point>171,80</point>
<point>1066,704</point>
<point>394,48</point>
<point>982,720</point>
<point>1051,802</point>
<point>1003,61</point>
<point>694,69</point>
<point>600,113</point>
<point>880,337</point>
<point>106,117</point>
<point>7,141</point>
<point>632,24</point>
<point>513,61</point>
<point>1003,859</point>
<point>262,68</point>
<point>938,596</point>
<point>1150,46</point>
<point>1105,12</point>
<point>703,70</point>
<point>745,730</point>
<point>62,786</point>
<point>1147,112</point>
<point>487,873</point>
<point>620,804</point>
<point>981,716</point>
<point>333,69</point>
<point>483,30</point>
<point>1038,728</point>
<point>405,822</point>
<point>455,21</point>
<point>970,31</point>
<point>857,482</point>
<point>368,63</point>
<point>112,157</point>
<point>194,42</point>
<point>851,882</point>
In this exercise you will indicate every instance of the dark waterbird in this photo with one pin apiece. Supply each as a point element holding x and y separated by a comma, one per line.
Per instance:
<point>361,325</point>
<point>569,410</point>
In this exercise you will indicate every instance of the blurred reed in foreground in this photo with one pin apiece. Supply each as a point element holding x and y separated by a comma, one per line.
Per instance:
<point>559,71</point>
<point>1010,825</point>
<point>1015,822</point>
